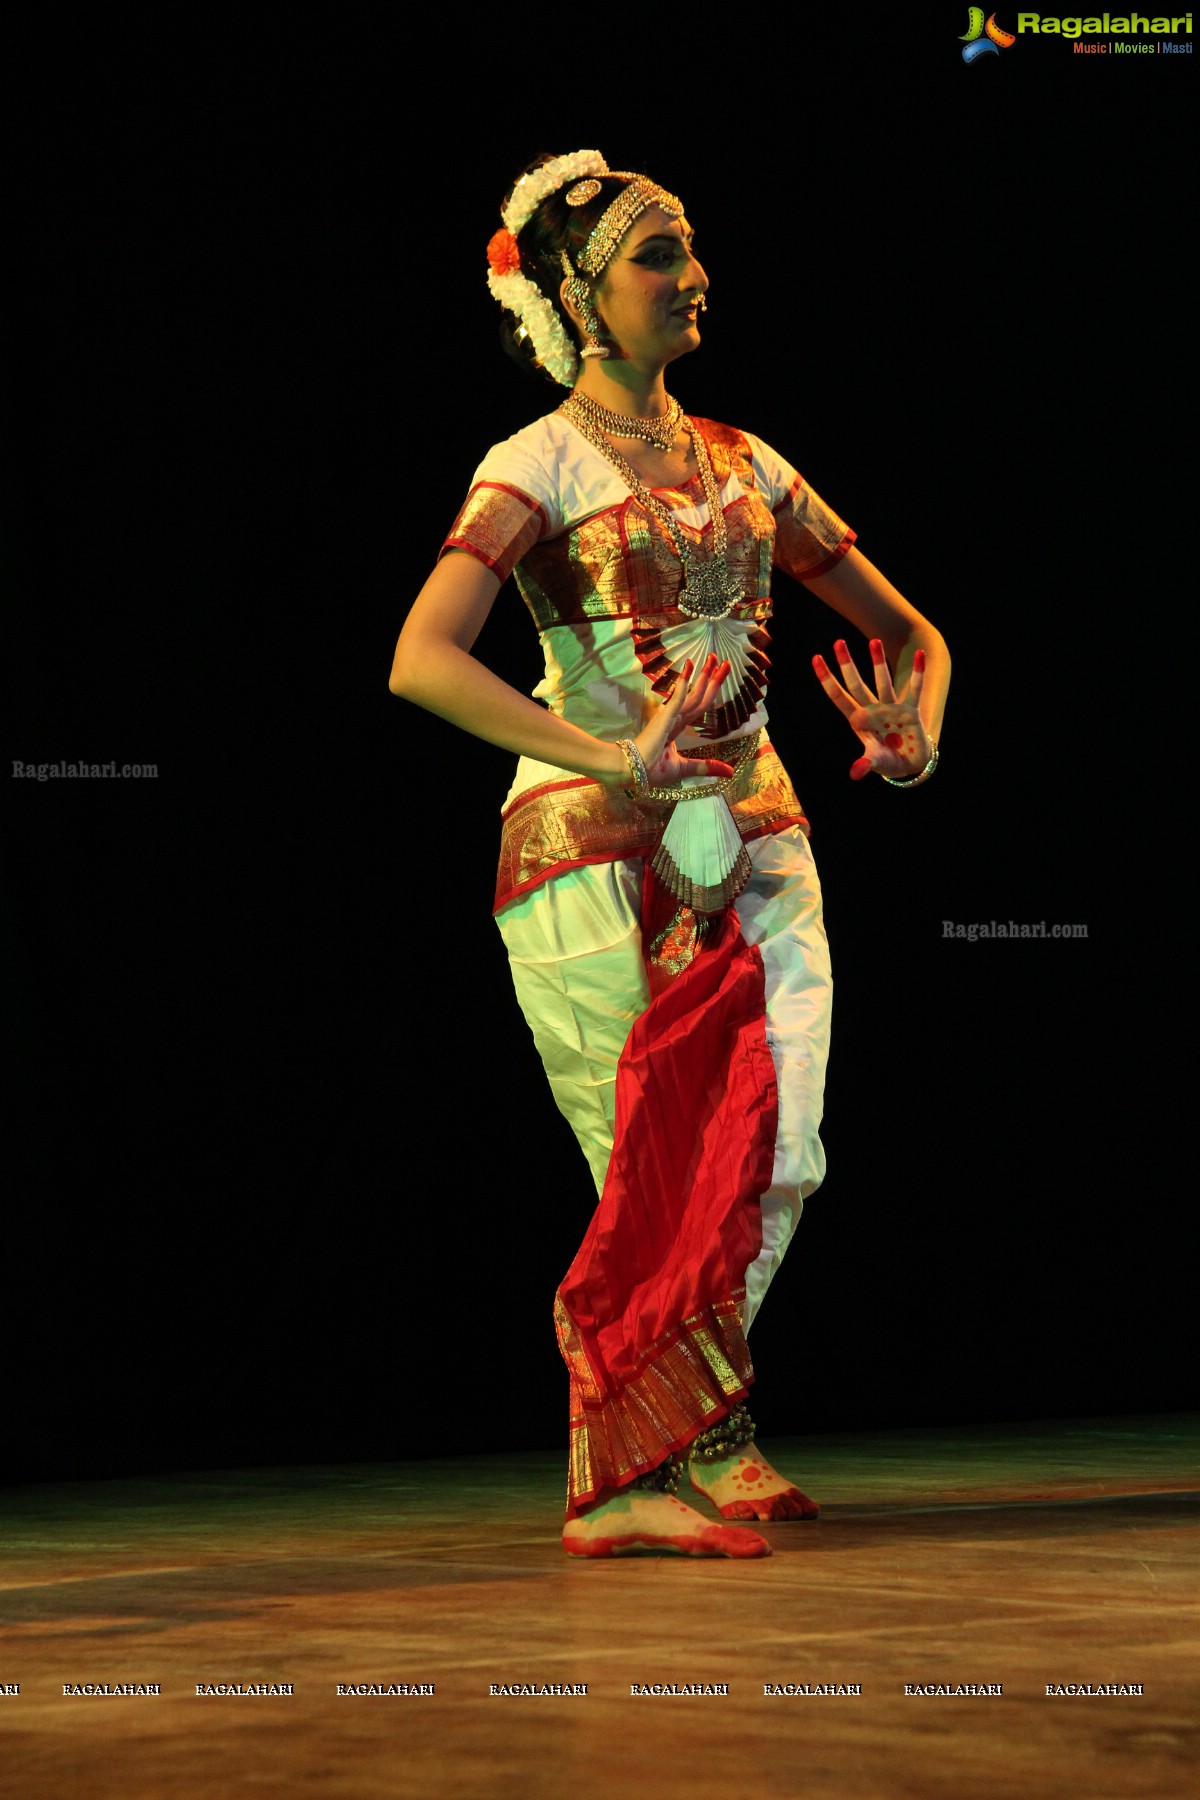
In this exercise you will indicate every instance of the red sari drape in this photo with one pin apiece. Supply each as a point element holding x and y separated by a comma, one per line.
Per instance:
<point>649,1315</point>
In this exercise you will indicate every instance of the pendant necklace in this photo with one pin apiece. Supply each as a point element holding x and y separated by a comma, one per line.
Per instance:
<point>710,588</point>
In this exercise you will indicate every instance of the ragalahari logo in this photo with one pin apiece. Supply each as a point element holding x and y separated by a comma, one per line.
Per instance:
<point>976,43</point>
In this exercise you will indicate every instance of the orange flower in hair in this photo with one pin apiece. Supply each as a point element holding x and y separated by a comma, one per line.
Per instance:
<point>502,253</point>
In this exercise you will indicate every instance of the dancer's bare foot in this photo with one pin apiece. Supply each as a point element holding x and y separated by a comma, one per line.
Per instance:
<point>640,1522</point>
<point>743,1485</point>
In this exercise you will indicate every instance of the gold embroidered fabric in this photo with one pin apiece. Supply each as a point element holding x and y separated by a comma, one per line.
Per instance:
<point>563,824</point>
<point>498,524</point>
<point>575,565</point>
<point>602,586</point>
<point>677,945</point>
<point>688,1378</point>
<point>622,561</point>
<point>809,536</point>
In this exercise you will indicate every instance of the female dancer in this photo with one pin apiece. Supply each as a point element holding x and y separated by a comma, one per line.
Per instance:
<point>684,1038</point>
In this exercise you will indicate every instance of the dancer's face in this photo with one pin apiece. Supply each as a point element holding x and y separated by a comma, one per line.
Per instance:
<point>648,293</point>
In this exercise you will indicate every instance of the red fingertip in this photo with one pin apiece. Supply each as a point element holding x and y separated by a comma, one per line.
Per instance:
<point>860,768</point>
<point>843,650</point>
<point>877,649</point>
<point>819,666</point>
<point>919,663</point>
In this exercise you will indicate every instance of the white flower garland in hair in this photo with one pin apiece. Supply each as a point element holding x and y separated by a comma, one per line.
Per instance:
<point>516,293</point>
<point>553,348</point>
<point>532,189</point>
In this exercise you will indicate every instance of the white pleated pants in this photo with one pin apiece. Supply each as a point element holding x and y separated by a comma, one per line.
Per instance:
<point>575,950</point>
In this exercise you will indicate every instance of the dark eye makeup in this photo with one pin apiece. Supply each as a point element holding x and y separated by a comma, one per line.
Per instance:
<point>661,249</point>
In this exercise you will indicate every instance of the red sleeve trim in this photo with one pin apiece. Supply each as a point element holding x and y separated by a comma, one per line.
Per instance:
<point>789,499</point>
<point>493,539</point>
<point>835,556</point>
<point>506,487</point>
<point>454,543</point>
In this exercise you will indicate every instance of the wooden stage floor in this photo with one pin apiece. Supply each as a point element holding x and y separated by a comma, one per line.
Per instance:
<point>1020,1557</point>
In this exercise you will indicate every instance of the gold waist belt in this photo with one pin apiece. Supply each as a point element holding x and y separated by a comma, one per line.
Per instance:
<point>563,824</point>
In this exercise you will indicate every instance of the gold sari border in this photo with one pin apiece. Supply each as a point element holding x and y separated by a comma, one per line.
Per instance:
<point>568,824</point>
<point>687,1381</point>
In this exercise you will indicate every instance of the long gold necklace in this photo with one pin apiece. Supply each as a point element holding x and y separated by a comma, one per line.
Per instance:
<point>710,588</point>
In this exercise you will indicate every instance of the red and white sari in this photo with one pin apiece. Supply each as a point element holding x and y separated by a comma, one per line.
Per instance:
<point>686,1050</point>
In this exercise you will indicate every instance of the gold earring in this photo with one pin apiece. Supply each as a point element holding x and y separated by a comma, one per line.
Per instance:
<point>591,324</point>
<point>580,295</point>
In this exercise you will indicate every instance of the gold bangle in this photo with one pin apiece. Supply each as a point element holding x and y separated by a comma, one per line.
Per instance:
<point>637,767</point>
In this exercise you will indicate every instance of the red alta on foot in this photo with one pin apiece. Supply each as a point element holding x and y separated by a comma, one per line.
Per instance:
<point>713,1540</point>
<point>747,1487</point>
<point>648,1524</point>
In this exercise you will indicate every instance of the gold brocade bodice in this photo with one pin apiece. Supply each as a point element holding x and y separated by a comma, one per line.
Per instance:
<point>601,578</point>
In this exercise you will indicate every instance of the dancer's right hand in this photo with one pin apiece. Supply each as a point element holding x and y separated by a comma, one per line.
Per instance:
<point>691,697</point>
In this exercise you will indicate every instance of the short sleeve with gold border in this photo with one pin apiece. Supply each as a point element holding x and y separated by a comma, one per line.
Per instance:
<point>498,524</point>
<point>511,506</point>
<point>810,538</point>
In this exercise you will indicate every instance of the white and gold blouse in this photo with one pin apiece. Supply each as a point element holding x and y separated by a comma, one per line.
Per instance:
<point>601,578</point>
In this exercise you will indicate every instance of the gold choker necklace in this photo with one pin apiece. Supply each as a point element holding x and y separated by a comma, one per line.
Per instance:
<point>659,429</point>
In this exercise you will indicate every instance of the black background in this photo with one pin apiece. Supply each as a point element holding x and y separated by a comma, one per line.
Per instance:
<point>286,1182</point>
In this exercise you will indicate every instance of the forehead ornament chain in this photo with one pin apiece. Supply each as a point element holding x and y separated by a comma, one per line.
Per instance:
<point>615,221</point>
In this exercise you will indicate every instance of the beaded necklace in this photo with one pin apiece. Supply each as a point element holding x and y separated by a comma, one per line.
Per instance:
<point>659,429</point>
<point>710,589</point>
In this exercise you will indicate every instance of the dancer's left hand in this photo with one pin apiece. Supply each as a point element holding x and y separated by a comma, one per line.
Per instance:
<point>888,724</point>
